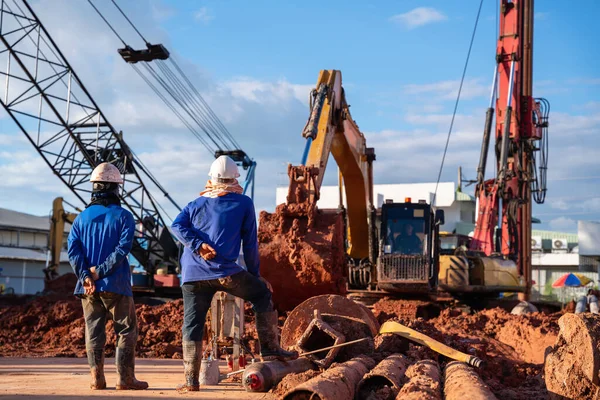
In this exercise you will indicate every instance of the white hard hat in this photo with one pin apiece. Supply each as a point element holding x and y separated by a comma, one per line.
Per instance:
<point>106,172</point>
<point>224,168</point>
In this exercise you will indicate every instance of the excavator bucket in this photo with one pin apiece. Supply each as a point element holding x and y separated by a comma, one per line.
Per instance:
<point>301,261</point>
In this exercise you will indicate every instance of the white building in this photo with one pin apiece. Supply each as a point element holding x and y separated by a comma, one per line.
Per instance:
<point>459,208</point>
<point>23,251</point>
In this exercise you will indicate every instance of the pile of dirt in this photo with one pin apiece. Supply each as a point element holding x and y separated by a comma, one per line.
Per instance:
<point>405,311</point>
<point>301,261</point>
<point>53,325</point>
<point>64,284</point>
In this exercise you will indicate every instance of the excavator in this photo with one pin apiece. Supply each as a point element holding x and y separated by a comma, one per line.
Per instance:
<point>396,250</point>
<point>58,219</point>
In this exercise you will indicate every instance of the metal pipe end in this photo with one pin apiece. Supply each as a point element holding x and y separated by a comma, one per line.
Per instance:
<point>476,362</point>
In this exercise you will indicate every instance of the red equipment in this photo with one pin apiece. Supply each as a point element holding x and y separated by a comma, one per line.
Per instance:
<point>521,146</point>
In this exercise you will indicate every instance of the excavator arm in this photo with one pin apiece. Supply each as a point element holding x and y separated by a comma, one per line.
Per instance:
<point>55,241</point>
<point>305,251</point>
<point>330,129</point>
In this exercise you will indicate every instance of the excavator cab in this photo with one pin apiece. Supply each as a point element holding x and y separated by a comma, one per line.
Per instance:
<point>408,251</point>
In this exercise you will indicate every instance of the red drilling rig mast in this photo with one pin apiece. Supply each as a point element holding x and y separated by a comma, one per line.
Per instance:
<point>504,202</point>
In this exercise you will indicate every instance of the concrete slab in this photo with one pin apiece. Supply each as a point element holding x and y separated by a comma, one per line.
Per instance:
<point>68,378</point>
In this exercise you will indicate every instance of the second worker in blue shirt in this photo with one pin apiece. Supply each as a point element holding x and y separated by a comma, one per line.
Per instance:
<point>212,229</point>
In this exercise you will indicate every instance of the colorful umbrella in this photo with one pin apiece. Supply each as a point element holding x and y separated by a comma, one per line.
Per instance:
<point>571,279</point>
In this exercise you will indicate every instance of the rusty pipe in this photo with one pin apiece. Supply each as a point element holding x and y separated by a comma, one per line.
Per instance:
<point>390,372</point>
<point>424,383</point>
<point>461,382</point>
<point>262,376</point>
<point>337,383</point>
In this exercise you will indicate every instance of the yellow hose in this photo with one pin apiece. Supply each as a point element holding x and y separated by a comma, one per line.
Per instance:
<point>418,337</point>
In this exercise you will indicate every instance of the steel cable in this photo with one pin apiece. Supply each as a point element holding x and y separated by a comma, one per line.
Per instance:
<point>462,80</point>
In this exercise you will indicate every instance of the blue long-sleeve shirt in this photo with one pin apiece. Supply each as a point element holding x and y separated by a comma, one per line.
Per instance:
<point>224,223</point>
<point>102,237</point>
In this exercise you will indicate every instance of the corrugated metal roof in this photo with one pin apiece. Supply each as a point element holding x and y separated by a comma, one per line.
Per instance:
<point>16,219</point>
<point>460,196</point>
<point>17,253</point>
<point>551,235</point>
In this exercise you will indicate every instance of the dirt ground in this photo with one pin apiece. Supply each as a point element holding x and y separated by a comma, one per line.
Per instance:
<point>52,326</point>
<point>61,378</point>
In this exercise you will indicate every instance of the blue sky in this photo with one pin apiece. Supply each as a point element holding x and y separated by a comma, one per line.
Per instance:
<point>256,61</point>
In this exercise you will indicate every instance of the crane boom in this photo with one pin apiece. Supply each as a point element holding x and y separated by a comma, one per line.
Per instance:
<point>51,106</point>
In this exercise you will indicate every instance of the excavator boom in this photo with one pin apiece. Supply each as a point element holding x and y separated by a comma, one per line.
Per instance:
<point>306,251</point>
<point>58,220</point>
<point>331,130</point>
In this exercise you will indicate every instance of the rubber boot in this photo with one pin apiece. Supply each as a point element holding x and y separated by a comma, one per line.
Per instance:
<point>581,306</point>
<point>96,362</point>
<point>192,355</point>
<point>268,336</point>
<point>125,359</point>
<point>594,305</point>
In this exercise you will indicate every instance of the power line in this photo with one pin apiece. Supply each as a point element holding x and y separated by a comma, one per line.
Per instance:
<point>462,80</point>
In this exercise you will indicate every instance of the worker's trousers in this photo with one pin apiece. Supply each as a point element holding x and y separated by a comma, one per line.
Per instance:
<point>99,307</point>
<point>198,295</point>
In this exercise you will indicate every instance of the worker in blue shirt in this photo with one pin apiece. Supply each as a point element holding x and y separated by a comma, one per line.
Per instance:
<point>99,243</point>
<point>212,227</point>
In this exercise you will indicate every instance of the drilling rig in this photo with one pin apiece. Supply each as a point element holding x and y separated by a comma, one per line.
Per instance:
<point>521,145</point>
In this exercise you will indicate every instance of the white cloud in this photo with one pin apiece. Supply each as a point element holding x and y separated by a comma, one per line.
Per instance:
<point>203,15</point>
<point>254,90</point>
<point>559,204</point>
<point>418,17</point>
<point>541,15</point>
<point>563,224</point>
<point>162,11</point>
<point>448,90</point>
<point>569,125</point>
<point>584,81</point>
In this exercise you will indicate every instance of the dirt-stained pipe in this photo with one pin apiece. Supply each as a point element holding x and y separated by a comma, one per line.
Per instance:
<point>337,383</point>
<point>388,375</point>
<point>261,377</point>
<point>462,382</point>
<point>424,383</point>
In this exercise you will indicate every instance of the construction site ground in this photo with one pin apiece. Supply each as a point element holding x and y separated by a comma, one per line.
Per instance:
<point>68,378</point>
<point>42,349</point>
